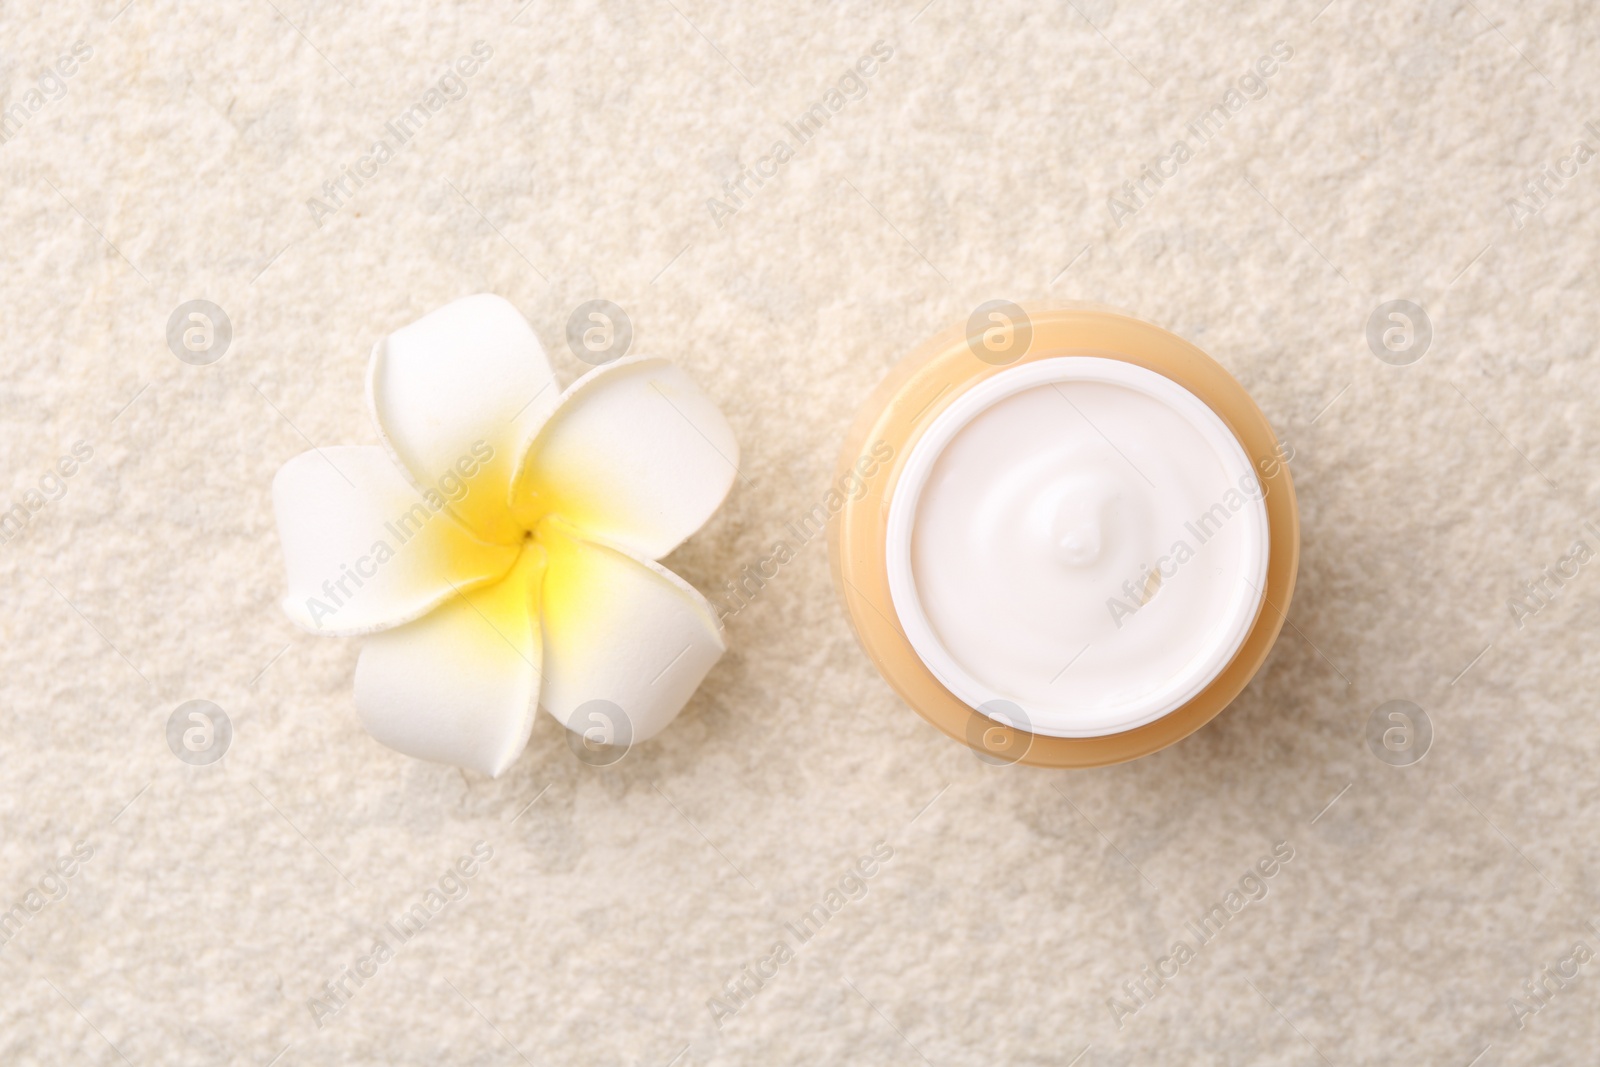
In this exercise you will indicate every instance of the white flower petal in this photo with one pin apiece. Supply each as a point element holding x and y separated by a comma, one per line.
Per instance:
<point>619,629</point>
<point>636,454</point>
<point>455,395</point>
<point>364,551</point>
<point>460,684</point>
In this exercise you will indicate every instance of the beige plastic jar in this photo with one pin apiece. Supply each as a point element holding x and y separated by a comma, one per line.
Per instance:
<point>911,618</point>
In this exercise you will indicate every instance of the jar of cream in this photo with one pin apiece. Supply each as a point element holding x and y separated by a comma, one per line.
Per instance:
<point>1084,541</point>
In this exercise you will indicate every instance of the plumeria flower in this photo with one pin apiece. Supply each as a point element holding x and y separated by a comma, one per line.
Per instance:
<point>499,544</point>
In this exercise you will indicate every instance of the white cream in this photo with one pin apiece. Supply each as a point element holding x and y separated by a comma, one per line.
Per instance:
<point>1080,538</point>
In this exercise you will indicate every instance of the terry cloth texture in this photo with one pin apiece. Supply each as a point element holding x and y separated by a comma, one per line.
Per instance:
<point>786,198</point>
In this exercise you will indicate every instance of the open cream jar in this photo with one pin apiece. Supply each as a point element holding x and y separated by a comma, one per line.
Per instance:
<point>1085,541</point>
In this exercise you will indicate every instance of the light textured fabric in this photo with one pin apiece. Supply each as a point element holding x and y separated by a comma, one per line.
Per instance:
<point>784,225</point>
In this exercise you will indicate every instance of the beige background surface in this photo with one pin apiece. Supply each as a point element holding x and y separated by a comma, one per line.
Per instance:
<point>1377,165</point>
